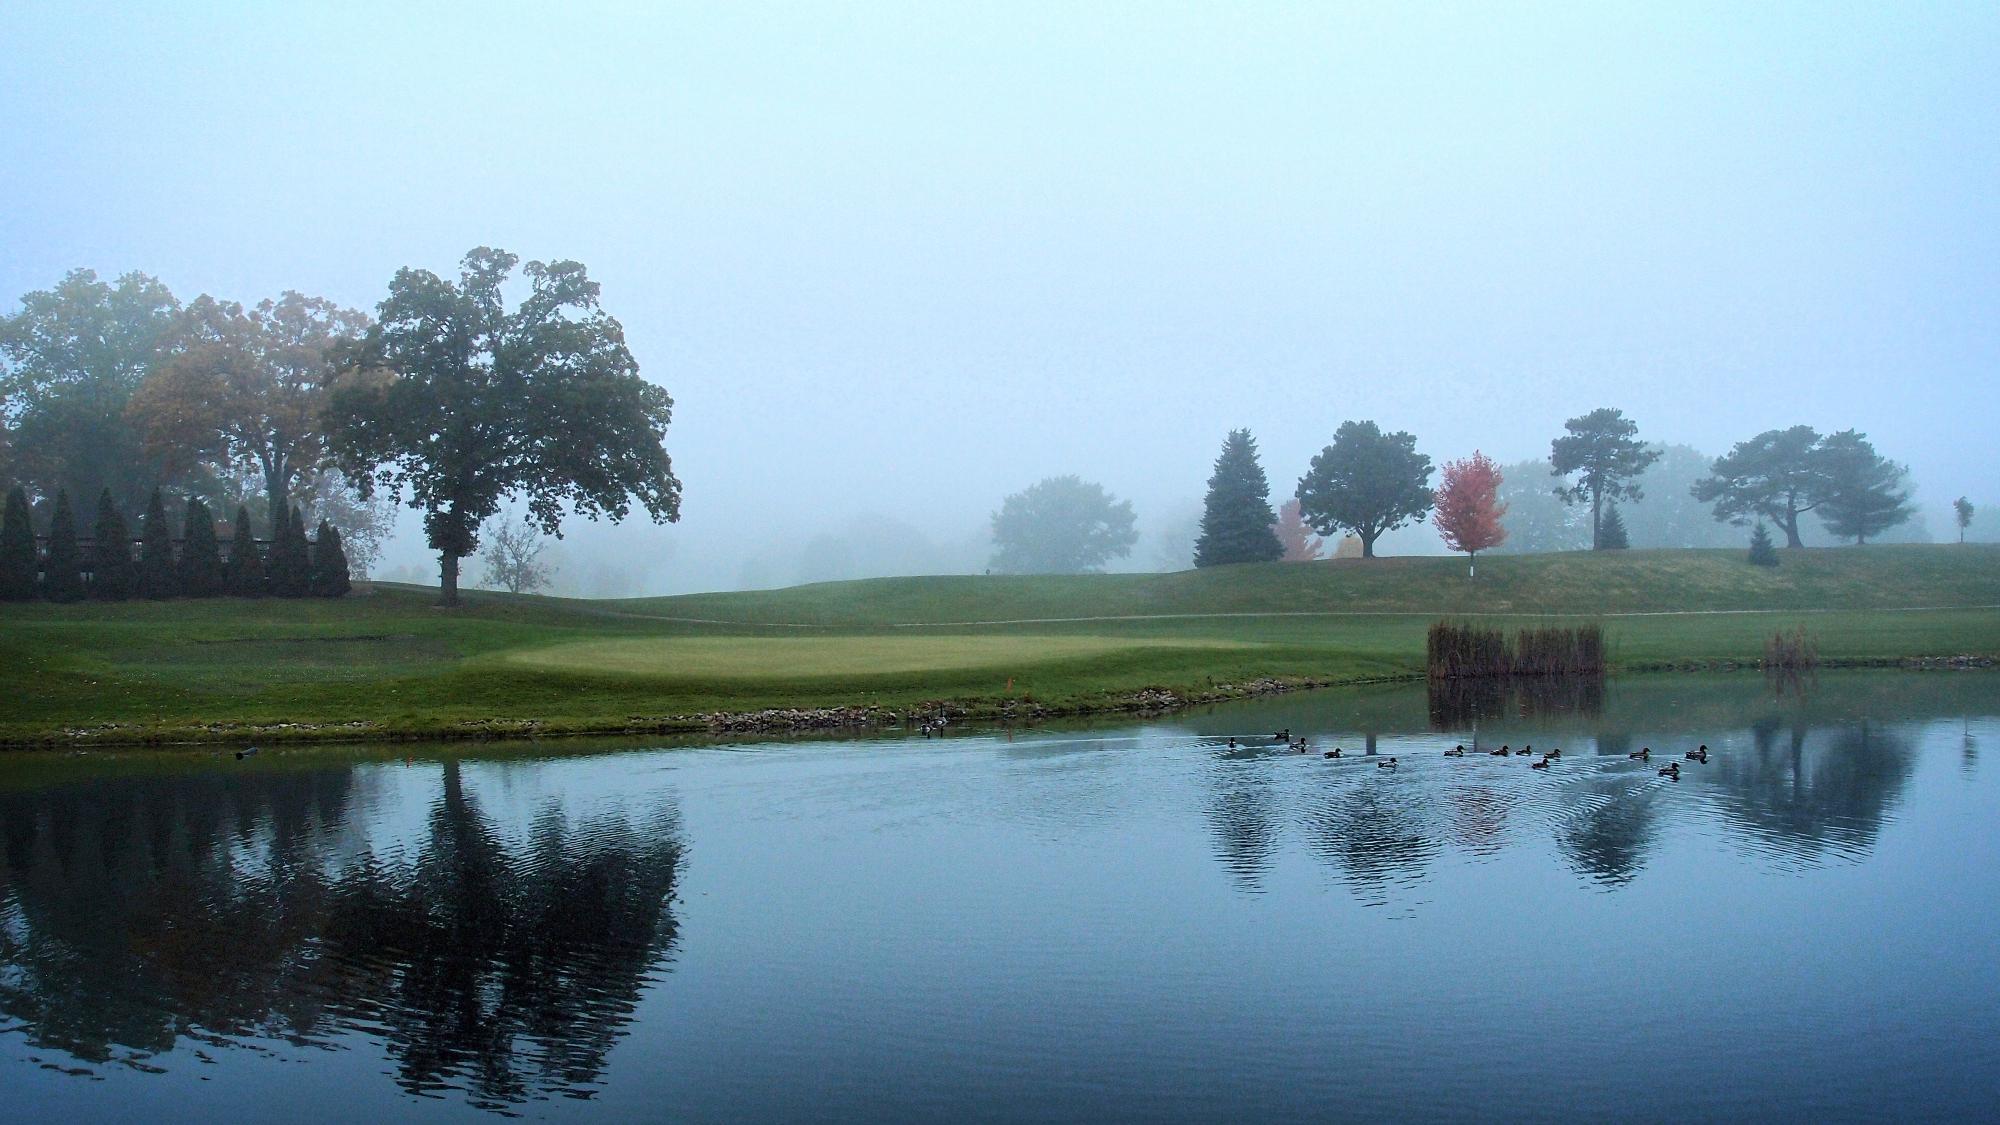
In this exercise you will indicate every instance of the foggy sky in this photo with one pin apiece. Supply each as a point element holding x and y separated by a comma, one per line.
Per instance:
<point>903,260</point>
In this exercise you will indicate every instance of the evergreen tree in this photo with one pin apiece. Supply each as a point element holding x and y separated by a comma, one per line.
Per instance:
<point>156,553</point>
<point>1865,493</point>
<point>17,549</point>
<point>291,559</point>
<point>201,555</point>
<point>1611,534</point>
<point>245,575</point>
<point>329,563</point>
<point>1604,452</point>
<point>62,571</point>
<point>1236,518</point>
<point>111,572</point>
<point>1762,551</point>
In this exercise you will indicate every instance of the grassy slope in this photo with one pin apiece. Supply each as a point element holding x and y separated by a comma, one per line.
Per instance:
<point>395,663</point>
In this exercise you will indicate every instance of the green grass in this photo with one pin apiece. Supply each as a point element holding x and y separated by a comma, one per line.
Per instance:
<point>392,663</point>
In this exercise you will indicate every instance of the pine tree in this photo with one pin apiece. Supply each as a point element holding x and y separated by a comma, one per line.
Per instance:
<point>1762,551</point>
<point>157,579</point>
<point>201,555</point>
<point>17,550</point>
<point>291,559</point>
<point>1866,492</point>
<point>62,571</point>
<point>1236,518</point>
<point>329,563</point>
<point>245,574</point>
<point>1611,535</point>
<point>111,571</point>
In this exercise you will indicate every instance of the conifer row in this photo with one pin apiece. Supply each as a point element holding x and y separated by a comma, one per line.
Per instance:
<point>296,567</point>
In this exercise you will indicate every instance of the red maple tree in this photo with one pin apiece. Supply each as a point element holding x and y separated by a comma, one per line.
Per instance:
<point>1468,505</point>
<point>1301,545</point>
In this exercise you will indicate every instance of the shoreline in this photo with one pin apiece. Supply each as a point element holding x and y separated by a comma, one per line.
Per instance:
<point>1148,701</point>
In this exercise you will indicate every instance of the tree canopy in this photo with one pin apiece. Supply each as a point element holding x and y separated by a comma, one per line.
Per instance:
<point>1603,453</point>
<point>70,360</point>
<point>1468,505</point>
<point>1865,493</point>
<point>1236,516</point>
<point>1366,482</point>
<point>464,404</point>
<point>1778,476</point>
<point>1062,525</point>
<point>248,385</point>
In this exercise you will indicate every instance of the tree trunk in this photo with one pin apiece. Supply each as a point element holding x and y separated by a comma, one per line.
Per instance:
<point>1792,530</point>
<point>1596,519</point>
<point>277,490</point>
<point>1368,546</point>
<point>448,578</point>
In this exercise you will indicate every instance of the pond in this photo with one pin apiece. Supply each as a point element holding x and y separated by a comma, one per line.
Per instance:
<point>1122,920</point>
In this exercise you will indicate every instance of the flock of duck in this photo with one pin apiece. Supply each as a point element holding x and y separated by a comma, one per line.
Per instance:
<point>1671,771</point>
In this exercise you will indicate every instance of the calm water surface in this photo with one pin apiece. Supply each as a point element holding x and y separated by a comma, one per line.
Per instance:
<point>1123,921</point>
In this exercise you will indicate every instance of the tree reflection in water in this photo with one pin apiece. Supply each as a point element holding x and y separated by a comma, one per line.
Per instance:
<point>226,907</point>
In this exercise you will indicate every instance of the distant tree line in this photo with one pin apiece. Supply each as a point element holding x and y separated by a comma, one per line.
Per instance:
<point>1368,483</point>
<point>449,399</point>
<point>60,565</point>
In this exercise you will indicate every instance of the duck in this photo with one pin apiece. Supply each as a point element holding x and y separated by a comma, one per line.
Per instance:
<point>1500,753</point>
<point>1232,744</point>
<point>1671,770</point>
<point>1386,764</point>
<point>1523,750</point>
<point>1700,755</point>
<point>1555,753</point>
<point>1333,753</point>
<point>1456,752</point>
<point>245,752</point>
<point>1642,754</point>
<point>1541,765</point>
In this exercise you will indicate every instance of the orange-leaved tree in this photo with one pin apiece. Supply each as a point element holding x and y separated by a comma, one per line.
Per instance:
<point>1301,545</point>
<point>1468,507</point>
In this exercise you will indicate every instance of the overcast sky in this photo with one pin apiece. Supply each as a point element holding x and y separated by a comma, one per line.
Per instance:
<point>905,260</point>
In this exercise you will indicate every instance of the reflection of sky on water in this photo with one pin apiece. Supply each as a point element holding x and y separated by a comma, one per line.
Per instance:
<point>1096,920</point>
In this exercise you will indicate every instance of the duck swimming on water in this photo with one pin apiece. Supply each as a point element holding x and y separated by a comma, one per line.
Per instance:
<point>1700,755</point>
<point>1333,753</point>
<point>1642,754</point>
<point>1671,771</point>
<point>1386,764</point>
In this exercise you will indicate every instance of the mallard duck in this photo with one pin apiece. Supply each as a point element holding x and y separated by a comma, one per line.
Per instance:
<point>1671,770</point>
<point>1555,753</point>
<point>1456,752</point>
<point>1642,754</point>
<point>1500,753</point>
<point>1541,765</point>
<point>1700,755</point>
<point>1386,764</point>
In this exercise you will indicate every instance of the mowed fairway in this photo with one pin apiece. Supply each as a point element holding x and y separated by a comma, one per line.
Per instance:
<point>845,658</point>
<point>389,662</point>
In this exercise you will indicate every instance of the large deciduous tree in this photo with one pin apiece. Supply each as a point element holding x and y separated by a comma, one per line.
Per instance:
<point>1366,482</point>
<point>464,404</point>
<point>70,360</point>
<point>1605,457</point>
<point>1779,475</point>
<point>1062,525</point>
<point>1236,516</point>
<point>1469,507</point>
<point>250,386</point>
<point>513,557</point>
<point>1865,492</point>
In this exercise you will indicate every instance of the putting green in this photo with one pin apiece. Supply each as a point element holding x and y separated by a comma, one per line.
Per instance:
<point>748,658</point>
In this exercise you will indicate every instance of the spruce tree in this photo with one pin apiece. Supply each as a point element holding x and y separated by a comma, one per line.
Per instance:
<point>291,559</point>
<point>62,571</point>
<point>1611,535</point>
<point>1236,517</point>
<point>17,550</point>
<point>329,563</point>
<point>157,579</point>
<point>201,555</point>
<point>1762,551</point>
<point>111,571</point>
<point>245,574</point>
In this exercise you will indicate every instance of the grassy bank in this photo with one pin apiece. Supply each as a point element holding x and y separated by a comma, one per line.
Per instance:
<point>390,663</point>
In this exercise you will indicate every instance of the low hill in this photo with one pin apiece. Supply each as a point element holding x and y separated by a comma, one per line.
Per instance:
<point>1611,582</point>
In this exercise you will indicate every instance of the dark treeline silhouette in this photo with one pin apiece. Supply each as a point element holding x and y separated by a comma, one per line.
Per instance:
<point>113,566</point>
<point>231,906</point>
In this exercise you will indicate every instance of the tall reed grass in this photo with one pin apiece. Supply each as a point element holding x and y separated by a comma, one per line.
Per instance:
<point>1460,650</point>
